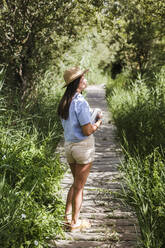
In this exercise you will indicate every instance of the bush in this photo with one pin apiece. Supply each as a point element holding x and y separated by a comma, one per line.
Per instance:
<point>145,180</point>
<point>139,113</point>
<point>121,81</point>
<point>31,208</point>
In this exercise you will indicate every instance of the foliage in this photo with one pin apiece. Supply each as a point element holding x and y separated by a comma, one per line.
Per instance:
<point>2,77</point>
<point>138,112</point>
<point>88,52</point>
<point>145,180</point>
<point>30,171</point>
<point>136,39</point>
<point>31,208</point>
<point>120,82</point>
<point>34,33</point>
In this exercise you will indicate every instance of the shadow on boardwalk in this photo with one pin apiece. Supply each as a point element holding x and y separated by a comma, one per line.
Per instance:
<point>113,225</point>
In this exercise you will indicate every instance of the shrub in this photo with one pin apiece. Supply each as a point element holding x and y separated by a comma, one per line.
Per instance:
<point>139,113</point>
<point>145,181</point>
<point>31,208</point>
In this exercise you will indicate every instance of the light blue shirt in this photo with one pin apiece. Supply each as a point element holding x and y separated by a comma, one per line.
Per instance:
<point>79,115</point>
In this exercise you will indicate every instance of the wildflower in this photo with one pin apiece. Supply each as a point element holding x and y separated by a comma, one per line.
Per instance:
<point>36,242</point>
<point>23,216</point>
<point>4,157</point>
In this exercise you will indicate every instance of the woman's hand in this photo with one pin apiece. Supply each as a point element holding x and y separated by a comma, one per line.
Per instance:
<point>99,116</point>
<point>88,129</point>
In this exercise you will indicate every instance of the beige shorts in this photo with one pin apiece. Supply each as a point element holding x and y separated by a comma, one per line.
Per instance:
<point>82,152</point>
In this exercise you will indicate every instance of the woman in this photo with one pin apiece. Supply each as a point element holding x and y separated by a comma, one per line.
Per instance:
<point>75,115</point>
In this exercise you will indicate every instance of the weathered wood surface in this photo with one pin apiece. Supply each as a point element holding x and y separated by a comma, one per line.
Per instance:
<point>113,224</point>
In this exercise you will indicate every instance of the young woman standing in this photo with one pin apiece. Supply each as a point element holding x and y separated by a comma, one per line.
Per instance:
<point>75,115</point>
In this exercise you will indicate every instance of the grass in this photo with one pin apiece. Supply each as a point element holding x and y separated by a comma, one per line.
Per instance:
<point>144,179</point>
<point>31,209</point>
<point>138,111</point>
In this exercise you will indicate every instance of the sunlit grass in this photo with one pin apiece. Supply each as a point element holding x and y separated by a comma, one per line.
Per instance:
<point>138,111</point>
<point>31,208</point>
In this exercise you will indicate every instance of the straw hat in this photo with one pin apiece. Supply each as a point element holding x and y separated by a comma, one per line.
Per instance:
<point>71,74</point>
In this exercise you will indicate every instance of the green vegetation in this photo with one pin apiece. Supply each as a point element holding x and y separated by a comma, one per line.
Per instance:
<point>30,171</point>
<point>38,41</point>
<point>135,35</point>
<point>33,34</point>
<point>144,178</point>
<point>123,46</point>
<point>138,112</point>
<point>135,94</point>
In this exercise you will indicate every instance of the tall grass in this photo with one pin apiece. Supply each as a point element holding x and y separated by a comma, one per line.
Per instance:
<point>139,114</point>
<point>145,181</point>
<point>31,208</point>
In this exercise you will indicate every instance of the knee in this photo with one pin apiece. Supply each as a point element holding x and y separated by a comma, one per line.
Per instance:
<point>78,187</point>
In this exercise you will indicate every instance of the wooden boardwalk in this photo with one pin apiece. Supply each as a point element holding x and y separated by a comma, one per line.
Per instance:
<point>113,224</point>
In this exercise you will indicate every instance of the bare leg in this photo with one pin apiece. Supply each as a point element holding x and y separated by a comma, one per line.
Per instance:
<point>81,174</point>
<point>68,208</point>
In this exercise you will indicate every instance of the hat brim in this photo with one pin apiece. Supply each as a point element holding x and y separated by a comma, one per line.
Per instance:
<point>80,75</point>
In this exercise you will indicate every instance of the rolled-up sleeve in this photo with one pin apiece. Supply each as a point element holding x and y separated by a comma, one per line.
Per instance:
<point>83,113</point>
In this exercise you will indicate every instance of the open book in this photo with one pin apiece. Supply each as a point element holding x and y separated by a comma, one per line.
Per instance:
<point>94,113</point>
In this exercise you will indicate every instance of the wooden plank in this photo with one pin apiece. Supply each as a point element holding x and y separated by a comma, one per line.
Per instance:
<point>113,225</point>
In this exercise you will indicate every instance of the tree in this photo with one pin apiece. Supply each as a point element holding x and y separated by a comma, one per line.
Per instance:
<point>136,33</point>
<point>31,31</point>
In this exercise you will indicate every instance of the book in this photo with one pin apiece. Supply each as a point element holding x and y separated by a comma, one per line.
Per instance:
<point>94,113</point>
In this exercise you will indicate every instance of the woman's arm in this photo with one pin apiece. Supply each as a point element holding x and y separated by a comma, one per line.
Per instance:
<point>88,129</point>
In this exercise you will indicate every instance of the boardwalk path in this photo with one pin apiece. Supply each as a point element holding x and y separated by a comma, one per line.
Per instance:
<point>112,224</point>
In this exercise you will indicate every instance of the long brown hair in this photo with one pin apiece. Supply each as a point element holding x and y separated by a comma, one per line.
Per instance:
<point>63,107</point>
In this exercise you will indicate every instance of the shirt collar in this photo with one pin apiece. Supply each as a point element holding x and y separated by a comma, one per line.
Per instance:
<point>76,95</point>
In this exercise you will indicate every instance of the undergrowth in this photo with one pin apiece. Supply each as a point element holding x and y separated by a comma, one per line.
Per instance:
<point>31,207</point>
<point>138,112</point>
